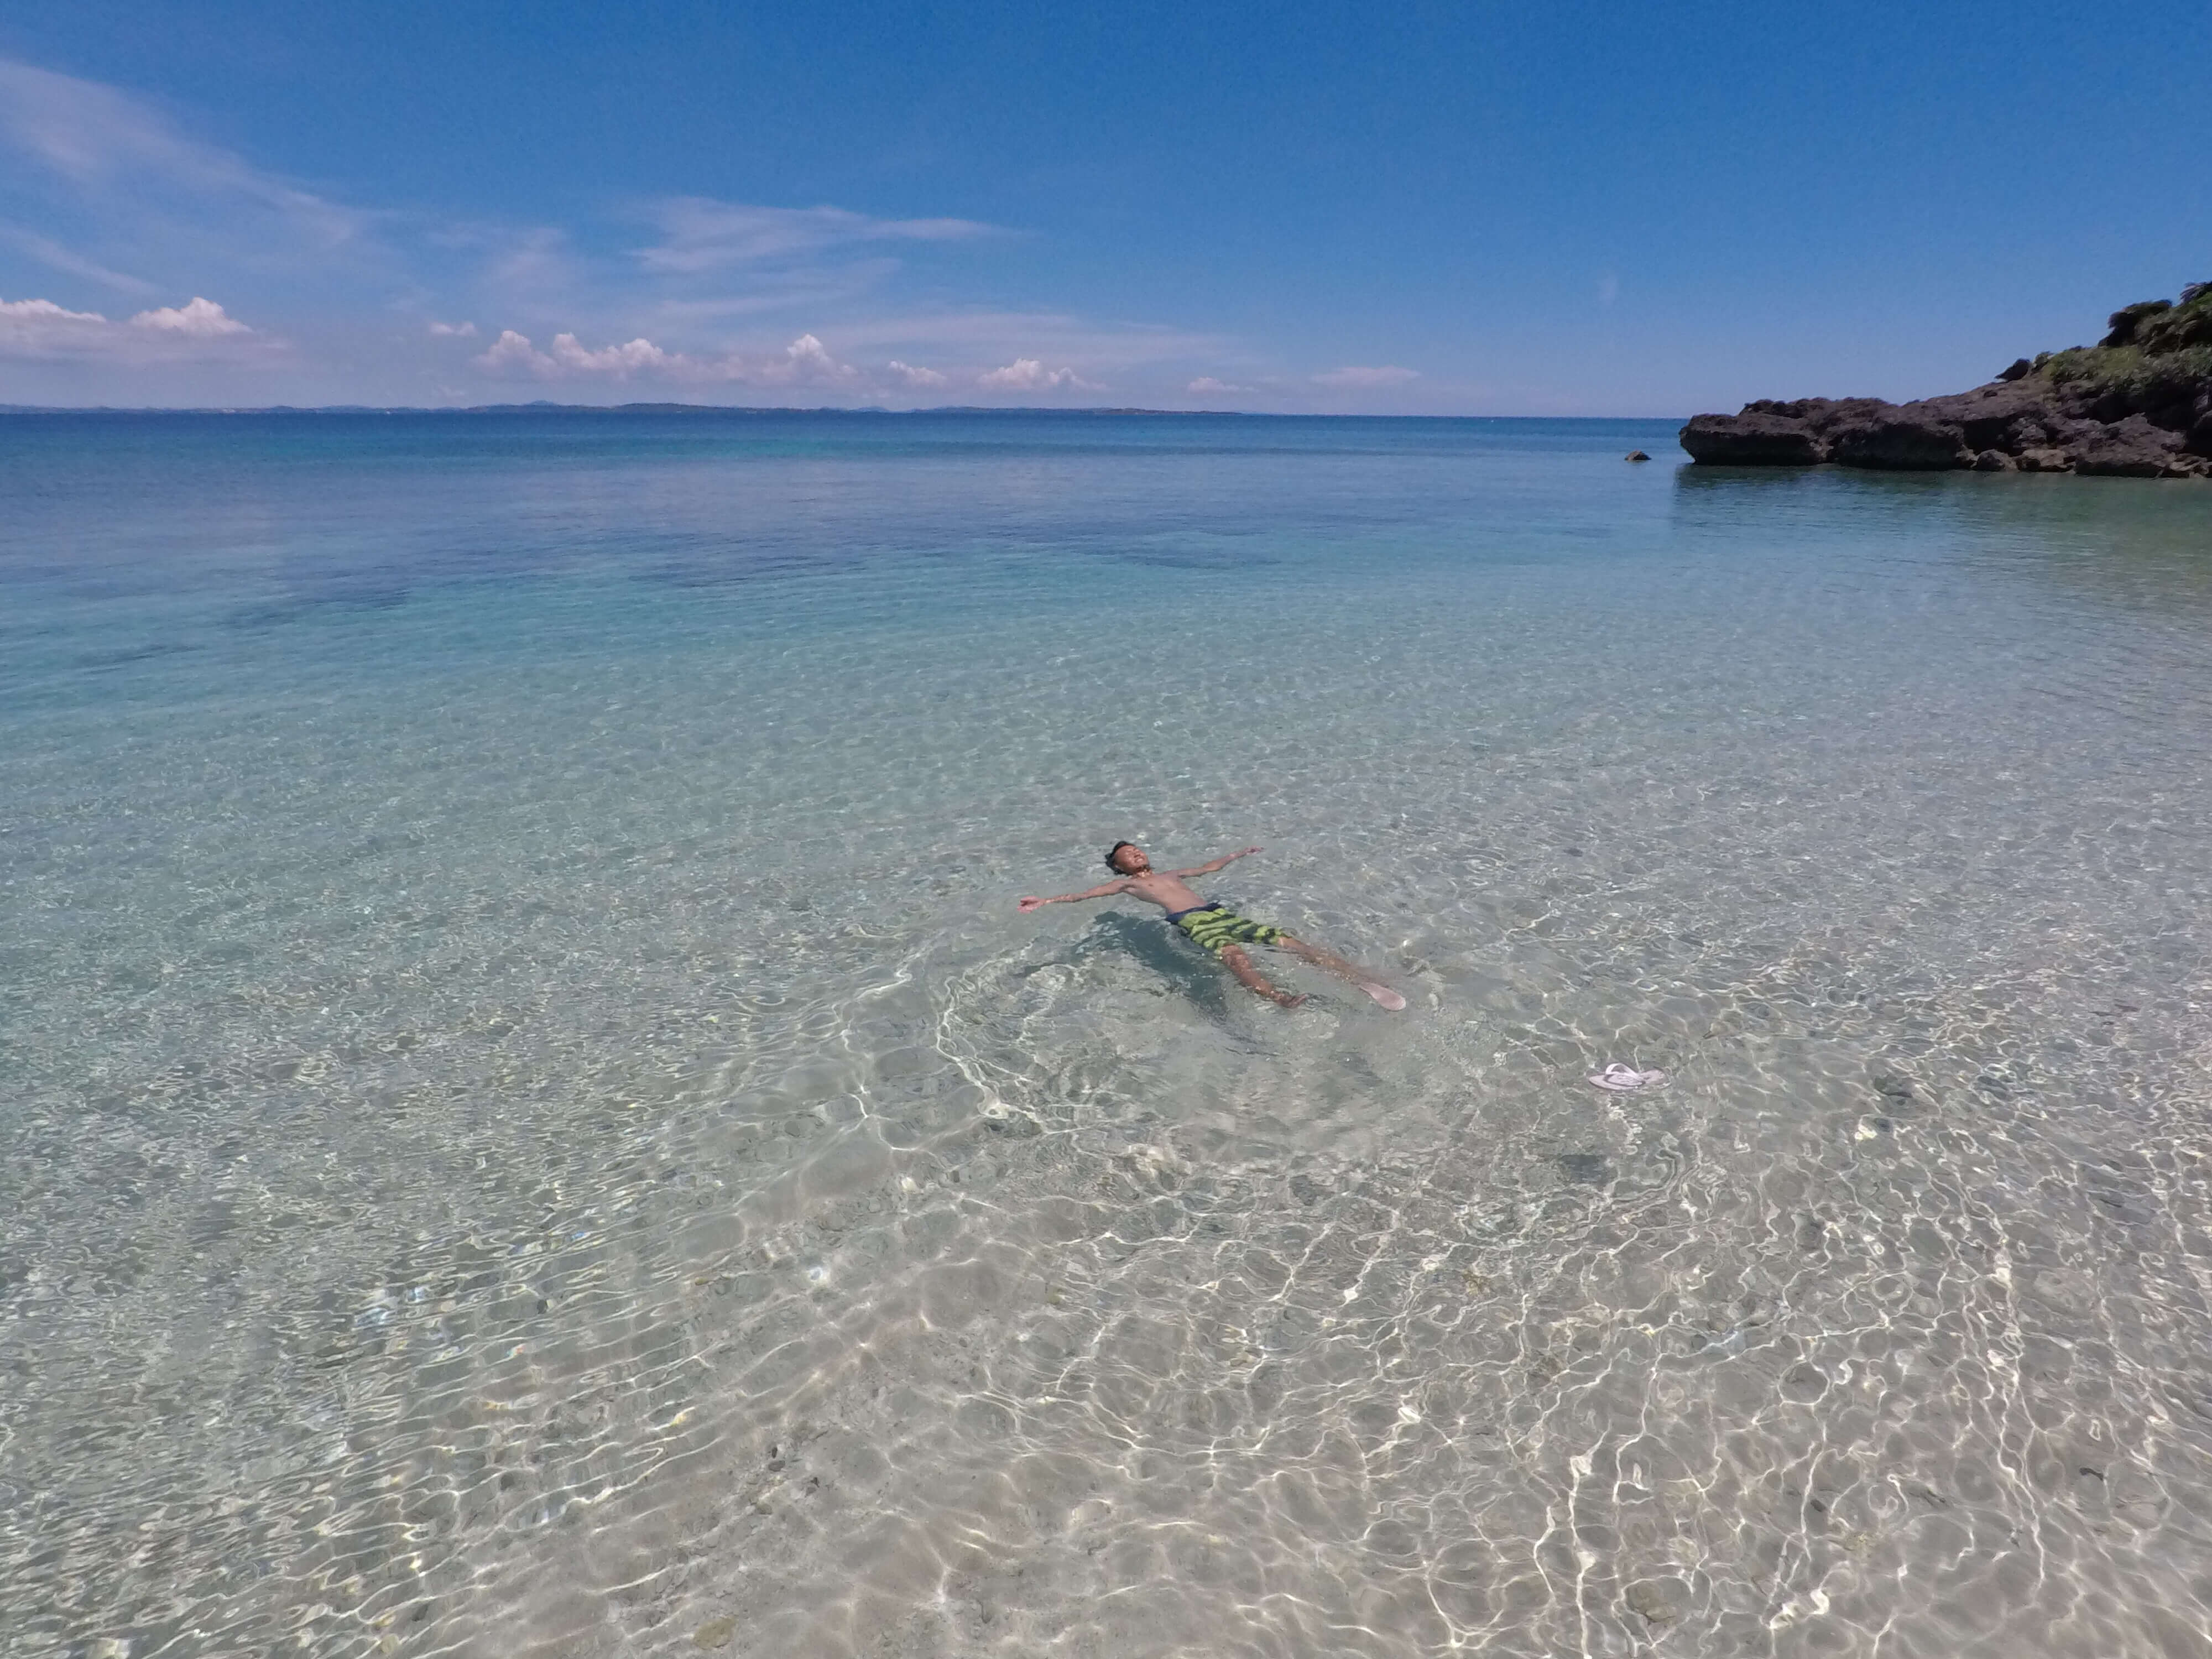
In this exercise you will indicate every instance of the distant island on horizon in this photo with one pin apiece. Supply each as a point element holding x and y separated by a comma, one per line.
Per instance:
<point>542,407</point>
<point>2137,404</point>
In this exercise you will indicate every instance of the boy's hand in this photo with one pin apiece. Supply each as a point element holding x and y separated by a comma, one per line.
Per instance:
<point>1029,904</point>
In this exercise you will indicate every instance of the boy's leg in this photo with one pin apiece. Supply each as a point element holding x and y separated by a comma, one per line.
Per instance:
<point>1234,959</point>
<point>1335,964</point>
<point>1320,958</point>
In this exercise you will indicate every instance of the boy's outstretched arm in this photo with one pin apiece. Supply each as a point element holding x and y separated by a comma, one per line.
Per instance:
<point>1106,891</point>
<point>1208,868</point>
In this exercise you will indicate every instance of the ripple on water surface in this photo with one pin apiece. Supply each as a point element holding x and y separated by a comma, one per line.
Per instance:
<point>536,1127</point>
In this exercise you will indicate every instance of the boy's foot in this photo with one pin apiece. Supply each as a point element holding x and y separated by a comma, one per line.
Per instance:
<point>1288,1000</point>
<point>1383,994</point>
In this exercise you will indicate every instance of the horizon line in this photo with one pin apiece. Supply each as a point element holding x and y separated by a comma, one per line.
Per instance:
<point>546,407</point>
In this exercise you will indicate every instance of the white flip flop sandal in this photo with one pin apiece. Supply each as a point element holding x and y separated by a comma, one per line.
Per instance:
<point>1625,1079</point>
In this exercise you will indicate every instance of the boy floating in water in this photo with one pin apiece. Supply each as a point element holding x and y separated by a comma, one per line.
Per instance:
<point>1220,929</point>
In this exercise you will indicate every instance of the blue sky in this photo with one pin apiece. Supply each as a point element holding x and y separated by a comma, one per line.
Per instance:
<point>1556,208</point>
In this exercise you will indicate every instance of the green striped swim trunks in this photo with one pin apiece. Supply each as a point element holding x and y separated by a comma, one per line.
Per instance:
<point>1217,927</point>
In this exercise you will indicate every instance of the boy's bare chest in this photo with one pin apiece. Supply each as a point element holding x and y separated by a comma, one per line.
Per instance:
<point>1165,891</point>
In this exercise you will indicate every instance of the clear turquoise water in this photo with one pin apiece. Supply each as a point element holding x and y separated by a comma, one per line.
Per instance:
<point>530,1124</point>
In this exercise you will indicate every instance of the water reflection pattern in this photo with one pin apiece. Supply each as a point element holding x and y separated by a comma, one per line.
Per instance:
<point>538,1130</point>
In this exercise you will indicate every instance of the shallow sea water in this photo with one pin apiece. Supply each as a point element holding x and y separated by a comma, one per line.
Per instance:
<point>530,1124</point>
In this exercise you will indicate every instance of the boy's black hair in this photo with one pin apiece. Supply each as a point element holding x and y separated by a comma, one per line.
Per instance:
<point>1115,848</point>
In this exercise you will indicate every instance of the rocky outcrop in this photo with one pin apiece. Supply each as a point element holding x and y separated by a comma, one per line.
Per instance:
<point>2138,405</point>
<point>1752,439</point>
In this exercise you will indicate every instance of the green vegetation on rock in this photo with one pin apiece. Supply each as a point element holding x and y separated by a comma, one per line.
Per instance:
<point>2143,375</point>
<point>2158,353</point>
<point>2158,325</point>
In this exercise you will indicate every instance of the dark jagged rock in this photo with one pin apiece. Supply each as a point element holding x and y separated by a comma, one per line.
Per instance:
<point>1821,415</point>
<point>2138,405</point>
<point>2132,448</point>
<point>2199,440</point>
<point>1751,439</point>
<point>1906,440</point>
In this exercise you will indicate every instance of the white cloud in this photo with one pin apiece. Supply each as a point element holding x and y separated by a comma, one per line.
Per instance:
<point>1206,385</point>
<point>568,355</point>
<point>112,149</point>
<point>127,207</point>
<point>700,235</point>
<point>516,353</point>
<point>807,360</point>
<point>620,361</point>
<point>51,253</point>
<point>40,329</point>
<point>202,319</point>
<point>514,350</point>
<point>1355,375</point>
<point>804,362</point>
<point>43,310</point>
<point>1028,374</point>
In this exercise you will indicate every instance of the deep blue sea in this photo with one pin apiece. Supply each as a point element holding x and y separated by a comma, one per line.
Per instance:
<point>531,1123</point>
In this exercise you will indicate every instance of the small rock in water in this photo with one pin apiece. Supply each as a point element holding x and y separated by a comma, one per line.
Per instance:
<point>1590,1168</point>
<point>715,1633</point>
<point>1636,455</point>
<point>1659,1600</point>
